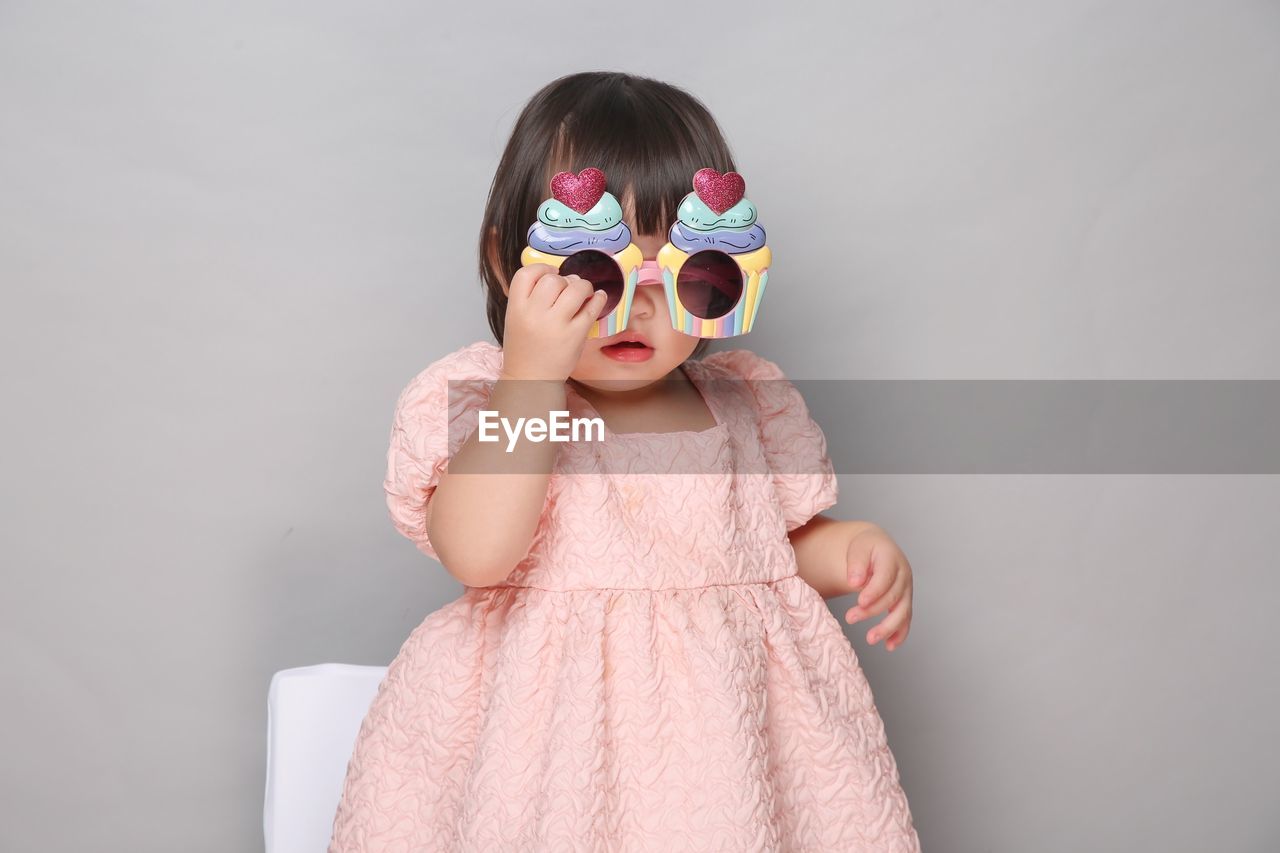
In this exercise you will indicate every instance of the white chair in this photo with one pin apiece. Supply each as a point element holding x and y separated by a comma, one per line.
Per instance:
<point>313,716</point>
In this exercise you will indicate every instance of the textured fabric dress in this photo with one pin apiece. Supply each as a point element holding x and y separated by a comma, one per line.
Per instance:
<point>654,675</point>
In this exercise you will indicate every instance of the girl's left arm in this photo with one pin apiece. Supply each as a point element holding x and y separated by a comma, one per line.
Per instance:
<point>837,557</point>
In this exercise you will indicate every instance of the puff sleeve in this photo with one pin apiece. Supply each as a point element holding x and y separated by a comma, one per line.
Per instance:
<point>432,421</point>
<point>795,447</point>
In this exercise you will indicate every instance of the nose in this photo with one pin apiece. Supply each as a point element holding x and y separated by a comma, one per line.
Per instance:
<point>645,300</point>
<point>650,273</point>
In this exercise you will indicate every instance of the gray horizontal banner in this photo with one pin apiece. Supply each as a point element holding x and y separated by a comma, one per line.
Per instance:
<point>958,427</point>
<point>1048,426</point>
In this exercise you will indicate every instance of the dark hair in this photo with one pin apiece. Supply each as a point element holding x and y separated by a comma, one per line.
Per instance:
<point>648,137</point>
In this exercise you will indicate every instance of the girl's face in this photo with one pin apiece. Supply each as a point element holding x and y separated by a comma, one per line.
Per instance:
<point>632,367</point>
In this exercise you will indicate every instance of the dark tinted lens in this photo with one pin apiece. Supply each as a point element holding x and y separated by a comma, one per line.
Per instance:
<point>601,270</point>
<point>709,284</point>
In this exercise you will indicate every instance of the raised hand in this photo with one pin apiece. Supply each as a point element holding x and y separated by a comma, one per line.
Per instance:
<point>548,317</point>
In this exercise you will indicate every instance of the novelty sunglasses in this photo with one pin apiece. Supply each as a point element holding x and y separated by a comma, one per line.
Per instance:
<point>713,267</point>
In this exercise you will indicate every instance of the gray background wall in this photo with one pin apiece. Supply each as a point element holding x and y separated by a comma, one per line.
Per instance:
<point>231,233</point>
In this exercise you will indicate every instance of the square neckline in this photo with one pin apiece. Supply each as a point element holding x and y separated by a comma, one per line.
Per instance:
<point>694,380</point>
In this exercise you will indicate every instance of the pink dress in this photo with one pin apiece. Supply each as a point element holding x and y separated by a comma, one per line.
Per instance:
<point>654,675</point>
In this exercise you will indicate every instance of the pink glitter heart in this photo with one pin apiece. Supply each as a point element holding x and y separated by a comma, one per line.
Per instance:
<point>580,191</point>
<point>719,192</point>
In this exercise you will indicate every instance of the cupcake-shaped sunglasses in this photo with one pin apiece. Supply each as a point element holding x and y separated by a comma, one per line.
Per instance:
<point>713,267</point>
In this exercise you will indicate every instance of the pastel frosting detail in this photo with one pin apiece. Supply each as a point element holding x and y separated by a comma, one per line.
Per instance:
<point>728,241</point>
<point>695,214</point>
<point>561,230</point>
<point>605,214</point>
<point>698,227</point>
<point>566,241</point>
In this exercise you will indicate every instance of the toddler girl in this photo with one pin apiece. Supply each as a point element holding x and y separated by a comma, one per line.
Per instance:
<point>642,659</point>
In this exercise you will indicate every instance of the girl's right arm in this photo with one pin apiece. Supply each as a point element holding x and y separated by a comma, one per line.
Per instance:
<point>486,506</point>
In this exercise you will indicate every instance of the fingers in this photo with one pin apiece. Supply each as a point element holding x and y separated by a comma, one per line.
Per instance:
<point>882,577</point>
<point>898,620</point>
<point>900,589</point>
<point>525,278</point>
<point>899,638</point>
<point>895,626</point>
<point>575,293</point>
<point>590,310</point>
<point>541,286</point>
<point>901,610</point>
<point>878,605</point>
<point>882,572</point>
<point>546,290</point>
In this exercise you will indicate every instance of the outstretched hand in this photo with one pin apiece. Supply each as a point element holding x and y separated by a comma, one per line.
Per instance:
<point>877,566</point>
